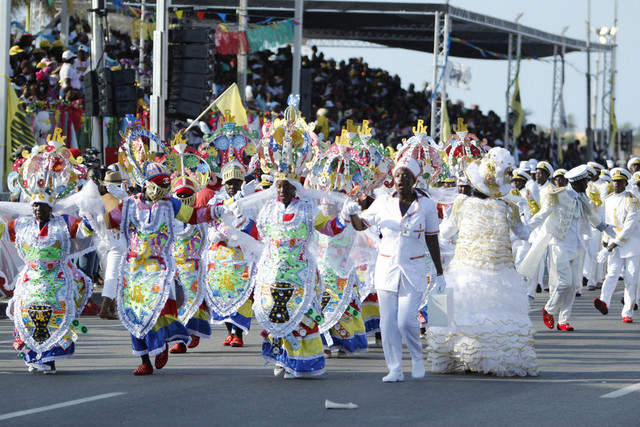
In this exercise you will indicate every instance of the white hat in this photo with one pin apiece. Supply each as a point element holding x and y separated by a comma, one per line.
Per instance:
<point>545,166</point>
<point>578,173</point>
<point>620,173</point>
<point>610,163</point>
<point>521,173</point>
<point>597,166</point>
<point>632,161</point>
<point>559,172</point>
<point>410,163</point>
<point>67,55</point>
<point>636,177</point>
<point>591,171</point>
<point>524,164</point>
<point>533,163</point>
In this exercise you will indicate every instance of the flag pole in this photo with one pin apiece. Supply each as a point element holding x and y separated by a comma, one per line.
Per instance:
<point>5,84</point>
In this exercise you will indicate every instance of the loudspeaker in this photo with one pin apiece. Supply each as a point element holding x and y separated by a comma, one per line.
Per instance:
<point>91,95</point>
<point>191,35</point>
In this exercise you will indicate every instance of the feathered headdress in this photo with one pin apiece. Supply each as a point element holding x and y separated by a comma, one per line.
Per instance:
<point>492,174</point>
<point>287,144</point>
<point>49,172</point>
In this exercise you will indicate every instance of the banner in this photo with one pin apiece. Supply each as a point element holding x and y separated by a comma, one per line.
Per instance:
<point>445,132</point>
<point>458,75</point>
<point>613,126</point>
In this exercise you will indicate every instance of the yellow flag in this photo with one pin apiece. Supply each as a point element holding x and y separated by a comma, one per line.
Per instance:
<point>18,131</point>
<point>613,124</point>
<point>516,109</point>
<point>230,101</point>
<point>179,13</point>
<point>445,132</point>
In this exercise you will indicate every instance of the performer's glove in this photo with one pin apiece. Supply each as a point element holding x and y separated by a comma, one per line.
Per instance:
<point>219,211</point>
<point>350,208</point>
<point>117,191</point>
<point>249,187</point>
<point>602,255</point>
<point>440,284</point>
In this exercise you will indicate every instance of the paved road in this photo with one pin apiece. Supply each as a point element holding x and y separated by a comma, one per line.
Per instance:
<point>216,385</point>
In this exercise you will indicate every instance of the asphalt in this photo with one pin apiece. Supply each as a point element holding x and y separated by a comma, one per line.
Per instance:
<point>216,385</point>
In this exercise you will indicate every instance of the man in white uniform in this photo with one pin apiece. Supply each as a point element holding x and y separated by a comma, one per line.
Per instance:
<point>593,271</point>
<point>622,209</point>
<point>562,221</point>
<point>538,187</point>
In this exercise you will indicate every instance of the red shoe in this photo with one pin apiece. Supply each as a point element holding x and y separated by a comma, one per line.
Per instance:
<point>565,327</point>
<point>195,340</point>
<point>178,348</point>
<point>600,305</point>
<point>143,369</point>
<point>237,342</point>
<point>547,319</point>
<point>627,320</point>
<point>91,309</point>
<point>162,358</point>
<point>227,341</point>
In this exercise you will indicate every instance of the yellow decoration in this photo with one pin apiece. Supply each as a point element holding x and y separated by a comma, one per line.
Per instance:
<point>57,136</point>
<point>420,127</point>
<point>461,126</point>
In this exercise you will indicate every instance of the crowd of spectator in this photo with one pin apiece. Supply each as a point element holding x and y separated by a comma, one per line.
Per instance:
<point>48,76</point>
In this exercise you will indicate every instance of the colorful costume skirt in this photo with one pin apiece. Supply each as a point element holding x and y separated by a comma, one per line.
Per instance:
<point>167,330</point>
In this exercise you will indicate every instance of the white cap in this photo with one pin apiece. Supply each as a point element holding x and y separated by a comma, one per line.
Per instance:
<point>610,163</point>
<point>520,173</point>
<point>632,161</point>
<point>559,172</point>
<point>636,177</point>
<point>545,166</point>
<point>597,166</point>
<point>578,173</point>
<point>620,173</point>
<point>67,55</point>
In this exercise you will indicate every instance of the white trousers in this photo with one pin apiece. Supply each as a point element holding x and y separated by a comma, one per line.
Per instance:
<point>398,320</point>
<point>565,271</point>
<point>616,264</point>
<point>111,273</point>
<point>593,271</point>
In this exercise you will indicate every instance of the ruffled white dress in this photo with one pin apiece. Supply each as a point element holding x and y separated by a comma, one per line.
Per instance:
<point>491,331</point>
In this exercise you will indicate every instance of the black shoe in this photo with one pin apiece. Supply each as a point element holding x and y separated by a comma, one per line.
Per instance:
<point>538,289</point>
<point>584,281</point>
<point>635,306</point>
<point>578,294</point>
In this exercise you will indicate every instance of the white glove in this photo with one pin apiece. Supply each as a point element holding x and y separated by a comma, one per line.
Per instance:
<point>603,254</point>
<point>350,208</point>
<point>219,211</point>
<point>240,221</point>
<point>117,191</point>
<point>249,187</point>
<point>440,284</point>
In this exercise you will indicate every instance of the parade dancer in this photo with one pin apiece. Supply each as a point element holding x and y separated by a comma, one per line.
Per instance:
<point>287,284</point>
<point>622,210</point>
<point>50,291</point>
<point>146,294</point>
<point>563,220</point>
<point>490,331</point>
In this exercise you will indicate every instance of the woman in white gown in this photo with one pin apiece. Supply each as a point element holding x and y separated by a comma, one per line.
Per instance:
<point>491,332</point>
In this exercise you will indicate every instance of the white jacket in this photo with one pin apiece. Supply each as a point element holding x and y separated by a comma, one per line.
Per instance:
<point>623,212</point>
<point>402,250</point>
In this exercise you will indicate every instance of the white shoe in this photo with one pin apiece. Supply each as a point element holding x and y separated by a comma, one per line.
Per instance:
<point>393,377</point>
<point>278,371</point>
<point>417,371</point>
<point>288,376</point>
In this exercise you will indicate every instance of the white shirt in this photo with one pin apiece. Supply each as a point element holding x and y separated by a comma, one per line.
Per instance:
<point>402,248</point>
<point>68,71</point>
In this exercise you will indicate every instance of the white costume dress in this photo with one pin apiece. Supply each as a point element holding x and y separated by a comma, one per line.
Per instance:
<point>491,331</point>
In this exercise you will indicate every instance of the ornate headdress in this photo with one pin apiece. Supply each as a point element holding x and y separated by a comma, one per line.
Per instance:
<point>49,172</point>
<point>492,175</point>
<point>229,142</point>
<point>355,164</point>
<point>134,157</point>
<point>420,155</point>
<point>287,144</point>
<point>463,147</point>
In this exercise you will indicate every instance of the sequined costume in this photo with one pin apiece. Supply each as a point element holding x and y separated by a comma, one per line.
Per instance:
<point>50,291</point>
<point>188,249</point>
<point>287,286</point>
<point>343,327</point>
<point>149,270</point>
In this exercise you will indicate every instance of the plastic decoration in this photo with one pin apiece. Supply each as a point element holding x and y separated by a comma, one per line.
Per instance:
<point>134,157</point>
<point>463,147</point>
<point>184,161</point>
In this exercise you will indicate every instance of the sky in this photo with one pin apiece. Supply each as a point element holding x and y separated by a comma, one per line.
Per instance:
<point>489,78</point>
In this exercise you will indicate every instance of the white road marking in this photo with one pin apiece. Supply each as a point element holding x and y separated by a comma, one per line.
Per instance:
<point>622,391</point>
<point>58,405</point>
